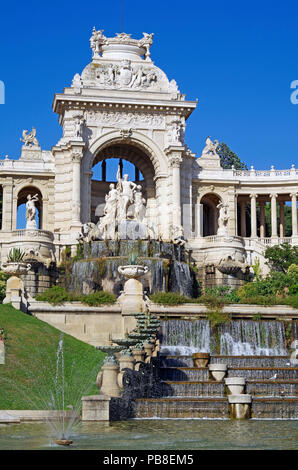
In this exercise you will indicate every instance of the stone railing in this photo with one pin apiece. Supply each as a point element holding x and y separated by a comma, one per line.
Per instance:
<point>268,241</point>
<point>266,173</point>
<point>23,234</point>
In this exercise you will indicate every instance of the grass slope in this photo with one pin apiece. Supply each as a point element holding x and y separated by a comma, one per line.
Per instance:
<point>31,378</point>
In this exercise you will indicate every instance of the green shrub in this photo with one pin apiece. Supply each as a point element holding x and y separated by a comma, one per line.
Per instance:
<point>3,279</point>
<point>98,298</point>
<point>56,295</point>
<point>291,300</point>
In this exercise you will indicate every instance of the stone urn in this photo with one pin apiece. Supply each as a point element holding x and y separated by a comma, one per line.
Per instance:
<point>15,268</point>
<point>235,385</point>
<point>132,297</point>
<point>218,371</point>
<point>200,359</point>
<point>15,291</point>
<point>133,271</point>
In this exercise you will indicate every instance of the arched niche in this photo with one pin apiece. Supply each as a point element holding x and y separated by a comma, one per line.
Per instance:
<point>21,206</point>
<point>118,153</point>
<point>210,202</point>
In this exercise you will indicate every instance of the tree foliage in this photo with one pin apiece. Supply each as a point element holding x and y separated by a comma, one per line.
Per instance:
<point>229,158</point>
<point>280,257</point>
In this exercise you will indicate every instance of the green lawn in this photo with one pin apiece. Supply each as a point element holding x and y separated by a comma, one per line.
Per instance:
<point>30,378</point>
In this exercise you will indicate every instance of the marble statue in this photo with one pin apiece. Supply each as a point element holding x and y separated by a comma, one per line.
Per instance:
<point>30,139</point>
<point>139,204</point>
<point>124,213</point>
<point>79,122</point>
<point>107,223</point>
<point>210,147</point>
<point>223,219</point>
<point>126,190</point>
<point>31,212</point>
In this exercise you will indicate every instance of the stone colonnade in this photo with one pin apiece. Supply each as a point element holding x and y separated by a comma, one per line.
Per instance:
<point>275,200</point>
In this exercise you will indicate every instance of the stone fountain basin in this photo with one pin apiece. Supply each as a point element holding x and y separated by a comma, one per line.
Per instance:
<point>235,385</point>
<point>133,271</point>
<point>218,371</point>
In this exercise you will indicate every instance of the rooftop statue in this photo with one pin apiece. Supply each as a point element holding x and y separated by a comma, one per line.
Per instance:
<point>30,139</point>
<point>210,147</point>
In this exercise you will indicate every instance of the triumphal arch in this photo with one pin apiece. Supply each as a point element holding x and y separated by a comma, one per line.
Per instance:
<point>123,107</point>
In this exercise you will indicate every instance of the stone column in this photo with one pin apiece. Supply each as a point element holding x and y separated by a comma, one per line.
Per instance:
<point>175,161</point>
<point>253,215</point>
<point>7,205</point>
<point>282,219</point>
<point>262,219</point>
<point>273,197</point>
<point>243,218</point>
<point>199,220</point>
<point>76,189</point>
<point>294,214</point>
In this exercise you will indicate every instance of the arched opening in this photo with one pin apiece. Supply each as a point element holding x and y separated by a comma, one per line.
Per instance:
<point>21,206</point>
<point>210,202</point>
<point>119,158</point>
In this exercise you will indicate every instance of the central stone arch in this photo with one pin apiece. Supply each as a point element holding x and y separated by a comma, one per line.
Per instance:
<point>133,147</point>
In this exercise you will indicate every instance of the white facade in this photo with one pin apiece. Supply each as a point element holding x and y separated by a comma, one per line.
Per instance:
<point>124,106</point>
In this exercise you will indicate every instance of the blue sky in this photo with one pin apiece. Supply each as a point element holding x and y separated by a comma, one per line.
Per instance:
<point>237,57</point>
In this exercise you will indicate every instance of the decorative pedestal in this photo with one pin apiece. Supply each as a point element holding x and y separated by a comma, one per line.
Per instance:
<point>240,406</point>
<point>200,359</point>
<point>15,293</point>
<point>138,355</point>
<point>218,371</point>
<point>96,408</point>
<point>235,385</point>
<point>125,362</point>
<point>148,351</point>
<point>110,385</point>
<point>132,297</point>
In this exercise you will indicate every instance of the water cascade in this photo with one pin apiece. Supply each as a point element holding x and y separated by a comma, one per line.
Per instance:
<point>237,337</point>
<point>98,262</point>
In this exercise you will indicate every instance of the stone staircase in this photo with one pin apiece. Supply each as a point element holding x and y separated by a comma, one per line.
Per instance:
<point>191,392</point>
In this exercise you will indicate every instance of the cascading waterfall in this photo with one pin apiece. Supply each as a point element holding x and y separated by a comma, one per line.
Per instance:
<point>237,338</point>
<point>99,261</point>
<point>184,337</point>
<point>252,338</point>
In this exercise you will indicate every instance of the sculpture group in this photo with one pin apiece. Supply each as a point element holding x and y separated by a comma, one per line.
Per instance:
<point>124,202</point>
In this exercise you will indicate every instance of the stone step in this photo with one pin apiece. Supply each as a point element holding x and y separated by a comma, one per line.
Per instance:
<point>184,373</point>
<point>274,408</point>
<point>181,408</point>
<point>202,407</point>
<point>232,361</point>
<point>279,388</point>
<point>264,373</point>
<point>258,373</point>
<point>189,388</point>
